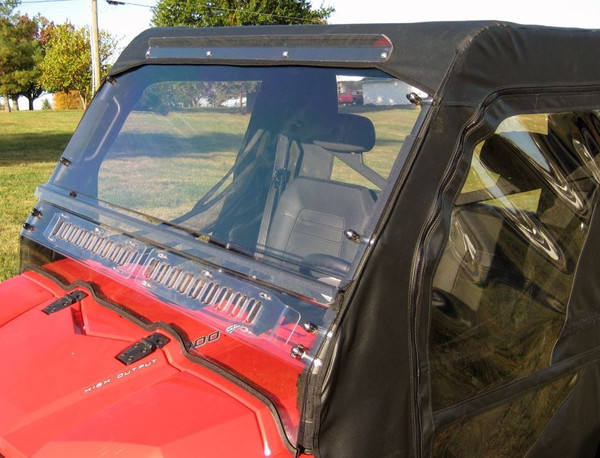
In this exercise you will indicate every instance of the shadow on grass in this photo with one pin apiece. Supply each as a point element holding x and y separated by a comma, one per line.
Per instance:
<point>150,145</point>
<point>25,148</point>
<point>163,145</point>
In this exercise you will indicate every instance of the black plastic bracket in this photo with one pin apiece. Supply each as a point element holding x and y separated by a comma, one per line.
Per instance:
<point>64,302</point>
<point>142,348</point>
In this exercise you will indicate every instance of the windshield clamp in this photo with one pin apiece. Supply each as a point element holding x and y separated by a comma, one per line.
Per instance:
<point>280,178</point>
<point>142,348</point>
<point>355,237</point>
<point>300,352</point>
<point>314,329</point>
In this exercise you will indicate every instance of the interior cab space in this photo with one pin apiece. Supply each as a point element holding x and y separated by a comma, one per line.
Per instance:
<point>300,216</point>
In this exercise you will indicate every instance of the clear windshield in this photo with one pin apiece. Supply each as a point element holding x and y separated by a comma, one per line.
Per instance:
<point>245,196</point>
<point>285,165</point>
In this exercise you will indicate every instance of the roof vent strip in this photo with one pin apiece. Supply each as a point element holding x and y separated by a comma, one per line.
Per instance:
<point>347,48</point>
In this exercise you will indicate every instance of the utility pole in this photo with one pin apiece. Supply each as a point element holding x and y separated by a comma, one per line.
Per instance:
<point>95,45</point>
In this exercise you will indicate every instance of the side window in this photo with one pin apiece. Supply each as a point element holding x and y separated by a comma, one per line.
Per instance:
<point>502,285</point>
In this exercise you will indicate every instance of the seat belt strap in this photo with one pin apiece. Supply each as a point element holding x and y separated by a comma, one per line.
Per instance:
<point>260,135</point>
<point>279,179</point>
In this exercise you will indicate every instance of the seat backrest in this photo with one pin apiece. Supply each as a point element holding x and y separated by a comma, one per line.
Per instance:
<point>312,214</point>
<point>478,249</point>
<point>311,218</point>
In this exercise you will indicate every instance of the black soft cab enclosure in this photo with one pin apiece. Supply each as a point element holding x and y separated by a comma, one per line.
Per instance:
<point>416,268</point>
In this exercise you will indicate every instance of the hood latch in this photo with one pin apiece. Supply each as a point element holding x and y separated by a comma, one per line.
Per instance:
<point>142,348</point>
<point>64,302</point>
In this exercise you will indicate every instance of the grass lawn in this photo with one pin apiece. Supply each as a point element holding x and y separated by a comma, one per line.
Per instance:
<point>162,164</point>
<point>30,144</point>
<point>154,166</point>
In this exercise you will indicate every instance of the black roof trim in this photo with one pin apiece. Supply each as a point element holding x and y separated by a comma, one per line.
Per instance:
<point>455,56</point>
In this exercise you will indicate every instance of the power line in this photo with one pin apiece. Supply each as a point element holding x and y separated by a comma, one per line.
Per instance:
<point>210,8</point>
<point>45,1</point>
<point>218,9</point>
<point>116,2</point>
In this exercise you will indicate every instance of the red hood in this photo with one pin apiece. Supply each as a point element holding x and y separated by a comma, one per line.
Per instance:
<point>64,393</point>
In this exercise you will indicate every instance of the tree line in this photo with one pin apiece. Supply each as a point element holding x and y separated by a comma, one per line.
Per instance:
<point>38,56</point>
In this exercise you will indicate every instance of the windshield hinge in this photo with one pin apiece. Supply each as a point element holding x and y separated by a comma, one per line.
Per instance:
<point>64,302</point>
<point>142,348</point>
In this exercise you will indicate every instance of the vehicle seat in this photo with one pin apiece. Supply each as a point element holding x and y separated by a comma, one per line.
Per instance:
<point>312,213</point>
<point>482,237</point>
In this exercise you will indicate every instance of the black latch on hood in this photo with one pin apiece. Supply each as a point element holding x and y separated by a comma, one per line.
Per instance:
<point>64,302</point>
<point>142,348</point>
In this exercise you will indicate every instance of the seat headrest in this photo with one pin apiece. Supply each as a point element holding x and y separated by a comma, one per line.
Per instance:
<point>501,156</point>
<point>345,133</point>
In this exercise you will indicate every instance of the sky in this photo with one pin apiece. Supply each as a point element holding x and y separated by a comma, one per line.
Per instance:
<point>126,21</point>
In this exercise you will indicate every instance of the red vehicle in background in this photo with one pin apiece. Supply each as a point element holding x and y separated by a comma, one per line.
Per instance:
<point>232,259</point>
<point>350,98</point>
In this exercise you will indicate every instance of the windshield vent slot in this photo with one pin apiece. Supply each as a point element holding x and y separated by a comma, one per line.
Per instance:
<point>88,241</point>
<point>95,243</point>
<point>202,290</point>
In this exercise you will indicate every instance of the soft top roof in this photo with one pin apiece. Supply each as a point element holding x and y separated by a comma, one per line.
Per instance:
<point>461,62</point>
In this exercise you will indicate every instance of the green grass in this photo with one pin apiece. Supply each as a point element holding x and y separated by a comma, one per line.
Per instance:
<point>169,161</point>
<point>30,144</point>
<point>159,159</point>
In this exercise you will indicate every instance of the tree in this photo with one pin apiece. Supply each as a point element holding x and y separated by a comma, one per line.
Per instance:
<point>8,49</point>
<point>21,52</point>
<point>64,101</point>
<point>212,13</point>
<point>7,7</point>
<point>66,66</point>
<point>28,75</point>
<point>16,51</point>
